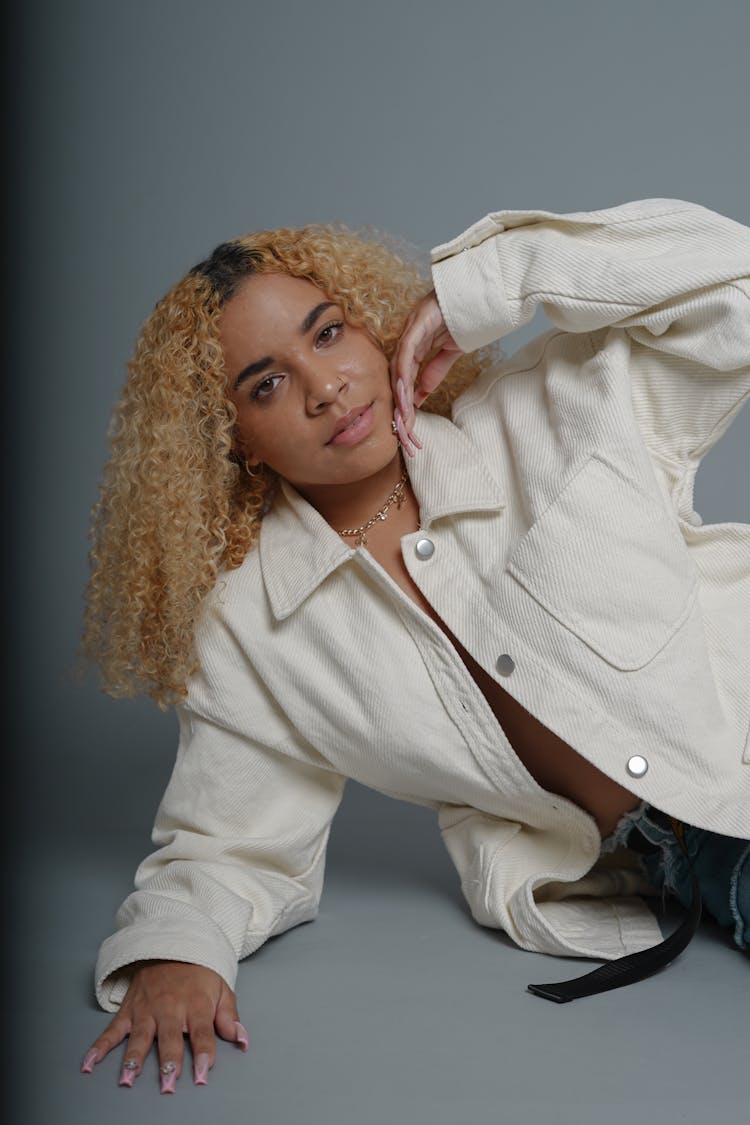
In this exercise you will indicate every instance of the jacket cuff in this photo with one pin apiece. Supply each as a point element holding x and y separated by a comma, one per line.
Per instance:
<point>470,292</point>
<point>153,941</point>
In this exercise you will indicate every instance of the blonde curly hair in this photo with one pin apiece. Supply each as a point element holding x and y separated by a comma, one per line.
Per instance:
<point>174,507</point>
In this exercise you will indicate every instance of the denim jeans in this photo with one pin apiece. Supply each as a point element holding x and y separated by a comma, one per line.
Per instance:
<point>721,865</point>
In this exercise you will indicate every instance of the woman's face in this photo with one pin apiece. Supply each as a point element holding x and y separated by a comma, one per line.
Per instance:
<point>312,393</point>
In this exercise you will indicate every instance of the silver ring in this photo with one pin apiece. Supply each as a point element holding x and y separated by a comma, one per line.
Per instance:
<point>167,1068</point>
<point>130,1064</point>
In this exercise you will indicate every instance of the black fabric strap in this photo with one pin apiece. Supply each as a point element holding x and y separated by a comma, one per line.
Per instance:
<point>635,966</point>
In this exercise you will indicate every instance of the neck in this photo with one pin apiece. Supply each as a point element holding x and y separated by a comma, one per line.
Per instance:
<point>352,504</point>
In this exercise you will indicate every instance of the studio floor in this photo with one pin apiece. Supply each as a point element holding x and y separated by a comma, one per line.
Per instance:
<point>393,1006</point>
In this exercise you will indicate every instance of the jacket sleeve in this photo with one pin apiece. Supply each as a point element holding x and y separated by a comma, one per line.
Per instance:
<point>241,833</point>
<point>674,275</point>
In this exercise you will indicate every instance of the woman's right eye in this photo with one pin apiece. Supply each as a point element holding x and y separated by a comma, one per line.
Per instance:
<point>265,387</point>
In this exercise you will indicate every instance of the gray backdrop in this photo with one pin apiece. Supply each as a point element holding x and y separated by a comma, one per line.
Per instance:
<point>143,133</point>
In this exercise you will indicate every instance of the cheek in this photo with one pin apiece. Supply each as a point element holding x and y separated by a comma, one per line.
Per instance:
<point>369,363</point>
<point>275,441</point>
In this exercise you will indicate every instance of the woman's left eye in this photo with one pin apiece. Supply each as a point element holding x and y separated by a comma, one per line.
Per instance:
<point>330,331</point>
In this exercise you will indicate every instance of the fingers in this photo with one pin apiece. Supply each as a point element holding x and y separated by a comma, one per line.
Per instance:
<point>165,1003</point>
<point>139,1045</point>
<point>411,349</point>
<point>171,1048</point>
<point>433,374</point>
<point>203,1046</point>
<point>118,1029</point>
<point>227,1019</point>
<point>140,1037</point>
<point>425,333</point>
<point>198,1024</point>
<point>403,437</point>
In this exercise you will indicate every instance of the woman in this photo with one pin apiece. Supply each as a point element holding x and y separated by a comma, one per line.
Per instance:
<point>521,623</point>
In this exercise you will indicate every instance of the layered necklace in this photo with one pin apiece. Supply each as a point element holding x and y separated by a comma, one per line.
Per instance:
<point>359,534</point>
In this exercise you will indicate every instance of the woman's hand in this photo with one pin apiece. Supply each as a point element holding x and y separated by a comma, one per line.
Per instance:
<point>425,332</point>
<point>167,1000</point>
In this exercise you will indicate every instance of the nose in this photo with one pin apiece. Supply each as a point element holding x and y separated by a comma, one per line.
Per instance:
<point>324,385</point>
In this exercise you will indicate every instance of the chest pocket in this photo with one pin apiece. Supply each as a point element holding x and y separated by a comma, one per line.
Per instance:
<point>608,562</point>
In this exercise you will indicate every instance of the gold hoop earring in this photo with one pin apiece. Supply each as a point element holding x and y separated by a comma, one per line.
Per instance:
<point>253,471</point>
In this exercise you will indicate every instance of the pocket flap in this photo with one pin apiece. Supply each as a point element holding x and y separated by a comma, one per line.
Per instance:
<point>609,564</point>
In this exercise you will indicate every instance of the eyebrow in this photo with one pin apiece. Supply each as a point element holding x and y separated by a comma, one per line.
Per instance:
<point>261,364</point>
<point>313,315</point>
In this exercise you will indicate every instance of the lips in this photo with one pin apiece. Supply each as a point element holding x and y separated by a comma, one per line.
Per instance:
<point>352,426</point>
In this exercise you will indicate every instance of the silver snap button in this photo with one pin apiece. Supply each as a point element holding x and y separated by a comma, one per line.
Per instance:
<point>424,549</point>
<point>636,766</point>
<point>505,664</point>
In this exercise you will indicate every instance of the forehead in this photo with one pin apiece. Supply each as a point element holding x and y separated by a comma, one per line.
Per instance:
<point>265,308</point>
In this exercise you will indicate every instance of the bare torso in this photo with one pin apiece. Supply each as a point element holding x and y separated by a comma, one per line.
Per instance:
<point>554,764</point>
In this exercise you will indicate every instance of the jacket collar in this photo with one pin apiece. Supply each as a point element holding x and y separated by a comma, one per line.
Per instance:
<point>298,550</point>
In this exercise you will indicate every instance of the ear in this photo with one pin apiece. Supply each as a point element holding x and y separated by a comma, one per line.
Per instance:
<point>251,460</point>
<point>243,455</point>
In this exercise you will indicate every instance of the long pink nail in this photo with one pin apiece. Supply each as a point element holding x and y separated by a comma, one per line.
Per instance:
<point>90,1058</point>
<point>401,392</point>
<point>200,1069</point>
<point>241,1036</point>
<point>168,1072</point>
<point>127,1077</point>
<point>407,408</point>
<point>414,439</point>
<point>402,434</point>
<point>168,1082</point>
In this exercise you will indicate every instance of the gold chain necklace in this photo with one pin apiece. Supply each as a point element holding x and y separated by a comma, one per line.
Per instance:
<point>396,497</point>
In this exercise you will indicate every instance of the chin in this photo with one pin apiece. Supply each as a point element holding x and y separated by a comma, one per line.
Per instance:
<point>371,463</point>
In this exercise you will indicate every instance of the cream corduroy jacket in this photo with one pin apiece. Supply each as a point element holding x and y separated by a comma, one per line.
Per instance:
<point>558,501</point>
